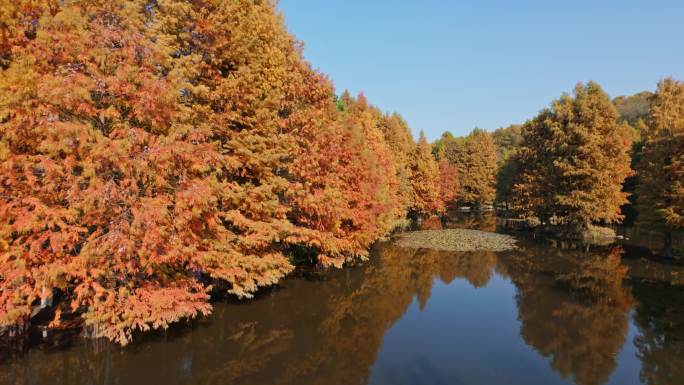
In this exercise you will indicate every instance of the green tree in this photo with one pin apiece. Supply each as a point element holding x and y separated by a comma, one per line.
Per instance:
<point>507,140</point>
<point>438,147</point>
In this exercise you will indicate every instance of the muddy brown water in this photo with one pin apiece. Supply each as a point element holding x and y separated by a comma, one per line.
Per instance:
<point>536,315</point>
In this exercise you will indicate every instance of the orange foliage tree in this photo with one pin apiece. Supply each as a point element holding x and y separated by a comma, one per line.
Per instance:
<point>153,151</point>
<point>347,190</point>
<point>661,169</point>
<point>103,197</point>
<point>573,161</point>
<point>425,179</point>
<point>448,182</point>
<point>398,136</point>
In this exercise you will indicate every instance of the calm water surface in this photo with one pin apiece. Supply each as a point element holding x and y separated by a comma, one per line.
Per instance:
<point>537,315</point>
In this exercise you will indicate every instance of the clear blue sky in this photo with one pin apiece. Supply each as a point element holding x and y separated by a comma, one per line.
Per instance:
<point>453,65</point>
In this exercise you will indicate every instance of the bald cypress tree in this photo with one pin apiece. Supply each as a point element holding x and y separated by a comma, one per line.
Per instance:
<point>397,134</point>
<point>474,156</point>
<point>425,179</point>
<point>449,184</point>
<point>241,72</point>
<point>346,191</point>
<point>105,195</point>
<point>479,179</point>
<point>153,151</point>
<point>661,169</point>
<point>574,159</point>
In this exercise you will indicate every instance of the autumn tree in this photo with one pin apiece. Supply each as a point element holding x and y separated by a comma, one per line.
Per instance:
<point>347,190</point>
<point>105,198</point>
<point>481,169</point>
<point>448,182</point>
<point>446,147</point>
<point>425,179</point>
<point>475,159</point>
<point>242,71</point>
<point>661,168</point>
<point>385,166</point>
<point>574,159</point>
<point>19,23</point>
<point>398,137</point>
<point>153,152</point>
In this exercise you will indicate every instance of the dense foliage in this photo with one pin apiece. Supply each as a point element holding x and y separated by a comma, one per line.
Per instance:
<point>155,153</point>
<point>426,185</point>
<point>474,158</point>
<point>507,141</point>
<point>573,161</point>
<point>661,167</point>
<point>568,165</point>
<point>449,184</point>
<point>151,152</point>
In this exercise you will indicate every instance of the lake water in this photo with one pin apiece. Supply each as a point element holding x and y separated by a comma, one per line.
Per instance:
<point>537,315</point>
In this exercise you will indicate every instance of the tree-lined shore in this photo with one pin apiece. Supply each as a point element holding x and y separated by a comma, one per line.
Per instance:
<point>583,162</point>
<point>155,153</point>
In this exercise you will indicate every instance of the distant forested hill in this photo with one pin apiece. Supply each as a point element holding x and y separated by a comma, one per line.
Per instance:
<point>635,107</point>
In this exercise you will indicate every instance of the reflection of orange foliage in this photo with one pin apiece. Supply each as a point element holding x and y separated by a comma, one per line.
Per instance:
<point>577,319</point>
<point>601,277</point>
<point>476,267</point>
<point>573,308</point>
<point>334,339</point>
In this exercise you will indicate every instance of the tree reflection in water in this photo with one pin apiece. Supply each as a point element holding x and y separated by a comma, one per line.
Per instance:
<point>573,308</point>
<point>310,332</point>
<point>659,316</point>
